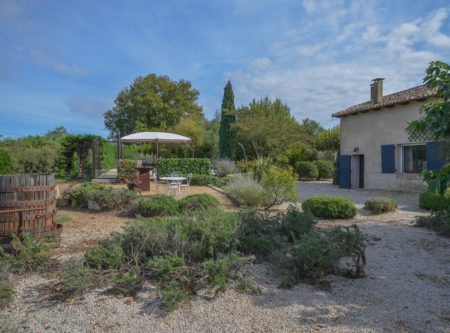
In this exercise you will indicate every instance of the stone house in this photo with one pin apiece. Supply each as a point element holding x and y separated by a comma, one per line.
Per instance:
<point>376,151</point>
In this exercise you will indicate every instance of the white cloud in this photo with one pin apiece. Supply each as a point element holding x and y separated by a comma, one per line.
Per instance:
<point>89,106</point>
<point>58,66</point>
<point>317,79</point>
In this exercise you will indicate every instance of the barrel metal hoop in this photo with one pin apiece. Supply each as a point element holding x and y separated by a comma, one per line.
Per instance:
<point>26,203</point>
<point>27,189</point>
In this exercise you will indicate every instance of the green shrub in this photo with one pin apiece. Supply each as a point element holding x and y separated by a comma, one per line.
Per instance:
<point>158,205</point>
<point>126,170</point>
<point>202,180</point>
<point>306,170</point>
<point>6,288</point>
<point>129,282</point>
<point>320,254</point>
<point>246,190</point>
<point>195,202</point>
<point>433,201</point>
<point>75,279</point>
<point>6,164</point>
<point>75,167</point>
<point>295,223</point>
<point>224,167</point>
<point>438,221</point>
<point>104,256</point>
<point>325,168</point>
<point>380,205</point>
<point>330,207</point>
<point>279,185</point>
<point>103,197</point>
<point>198,166</point>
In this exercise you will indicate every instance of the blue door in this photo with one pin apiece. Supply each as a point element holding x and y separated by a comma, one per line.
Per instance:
<point>345,162</point>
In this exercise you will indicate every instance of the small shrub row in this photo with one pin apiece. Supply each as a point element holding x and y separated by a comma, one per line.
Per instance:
<point>330,207</point>
<point>100,197</point>
<point>165,205</point>
<point>438,221</point>
<point>316,170</point>
<point>430,200</point>
<point>198,166</point>
<point>379,205</point>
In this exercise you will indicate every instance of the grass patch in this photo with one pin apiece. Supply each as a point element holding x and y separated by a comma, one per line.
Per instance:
<point>63,218</point>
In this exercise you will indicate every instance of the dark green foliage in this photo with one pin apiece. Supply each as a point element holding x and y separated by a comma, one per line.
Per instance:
<point>202,180</point>
<point>29,253</point>
<point>6,288</point>
<point>75,167</point>
<point>325,168</point>
<point>227,132</point>
<point>438,221</point>
<point>129,282</point>
<point>380,205</point>
<point>158,205</point>
<point>101,196</point>
<point>330,207</point>
<point>295,223</point>
<point>108,156</point>
<point>126,170</point>
<point>433,201</point>
<point>198,166</point>
<point>200,201</point>
<point>320,254</point>
<point>104,256</point>
<point>6,164</point>
<point>306,170</point>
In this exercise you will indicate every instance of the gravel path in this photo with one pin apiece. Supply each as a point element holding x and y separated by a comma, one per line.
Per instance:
<point>407,289</point>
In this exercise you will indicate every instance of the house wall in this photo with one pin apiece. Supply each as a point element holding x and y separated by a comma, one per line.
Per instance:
<point>368,131</point>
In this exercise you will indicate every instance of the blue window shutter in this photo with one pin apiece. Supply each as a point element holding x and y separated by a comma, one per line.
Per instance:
<point>388,158</point>
<point>435,155</point>
<point>345,171</point>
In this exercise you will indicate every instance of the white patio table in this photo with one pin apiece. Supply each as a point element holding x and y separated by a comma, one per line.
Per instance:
<point>173,182</point>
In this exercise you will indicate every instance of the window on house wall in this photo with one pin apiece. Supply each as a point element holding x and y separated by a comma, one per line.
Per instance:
<point>414,159</point>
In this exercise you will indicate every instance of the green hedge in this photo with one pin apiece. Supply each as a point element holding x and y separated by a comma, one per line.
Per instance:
<point>433,201</point>
<point>325,168</point>
<point>201,201</point>
<point>378,205</point>
<point>158,205</point>
<point>6,164</point>
<point>203,180</point>
<point>330,207</point>
<point>307,170</point>
<point>198,166</point>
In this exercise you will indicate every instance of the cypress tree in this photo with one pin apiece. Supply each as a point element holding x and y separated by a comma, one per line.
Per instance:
<point>227,131</point>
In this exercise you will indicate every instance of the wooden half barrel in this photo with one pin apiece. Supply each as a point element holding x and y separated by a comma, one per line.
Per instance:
<point>27,205</point>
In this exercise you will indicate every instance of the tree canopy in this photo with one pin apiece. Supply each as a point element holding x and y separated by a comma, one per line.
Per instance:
<point>152,103</point>
<point>266,128</point>
<point>227,131</point>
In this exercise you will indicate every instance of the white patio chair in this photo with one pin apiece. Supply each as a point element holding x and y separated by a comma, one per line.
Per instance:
<point>188,183</point>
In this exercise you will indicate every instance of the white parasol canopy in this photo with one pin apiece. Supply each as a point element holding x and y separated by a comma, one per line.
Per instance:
<point>160,137</point>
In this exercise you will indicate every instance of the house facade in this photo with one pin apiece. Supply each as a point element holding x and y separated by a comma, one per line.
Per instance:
<point>376,151</point>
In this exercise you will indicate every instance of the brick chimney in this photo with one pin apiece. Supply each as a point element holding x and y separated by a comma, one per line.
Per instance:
<point>376,90</point>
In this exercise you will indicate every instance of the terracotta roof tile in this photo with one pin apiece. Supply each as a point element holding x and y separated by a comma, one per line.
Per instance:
<point>413,94</point>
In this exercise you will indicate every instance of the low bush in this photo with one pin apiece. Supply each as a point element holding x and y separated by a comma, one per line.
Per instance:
<point>330,207</point>
<point>75,278</point>
<point>295,223</point>
<point>203,180</point>
<point>325,168</point>
<point>158,205</point>
<point>279,185</point>
<point>380,205</point>
<point>104,256</point>
<point>200,201</point>
<point>6,288</point>
<point>433,201</point>
<point>6,164</point>
<point>438,221</point>
<point>224,167</point>
<point>306,170</point>
<point>28,254</point>
<point>126,170</point>
<point>100,197</point>
<point>338,251</point>
<point>197,166</point>
<point>246,190</point>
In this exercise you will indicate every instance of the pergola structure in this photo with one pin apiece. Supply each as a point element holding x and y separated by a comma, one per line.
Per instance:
<point>153,137</point>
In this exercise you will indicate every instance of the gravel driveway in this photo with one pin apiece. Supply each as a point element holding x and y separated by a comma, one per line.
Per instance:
<point>407,201</point>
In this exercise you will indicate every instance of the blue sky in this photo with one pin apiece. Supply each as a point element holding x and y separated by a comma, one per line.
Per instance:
<point>63,62</point>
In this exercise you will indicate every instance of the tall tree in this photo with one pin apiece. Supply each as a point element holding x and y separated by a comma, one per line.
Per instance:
<point>152,103</point>
<point>267,128</point>
<point>227,131</point>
